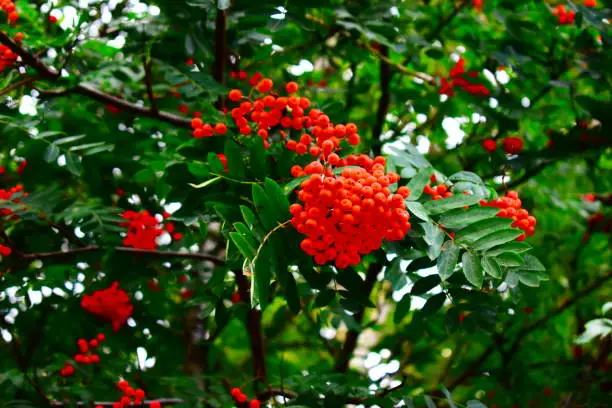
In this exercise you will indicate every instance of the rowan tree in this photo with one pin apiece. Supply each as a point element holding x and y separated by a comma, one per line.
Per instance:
<point>374,203</point>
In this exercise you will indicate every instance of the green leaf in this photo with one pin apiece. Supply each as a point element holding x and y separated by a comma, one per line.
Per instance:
<point>235,160</point>
<point>293,184</point>
<point>247,250</point>
<point>433,304</point>
<point>198,169</point>
<point>513,246</point>
<point>455,201</point>
<point>418,210</point>
<point>449,397</point>
<point>533,264</point>
<point>73,164</point>
<point>466,176</point>
<point>51,153</point>
<point>418,183</point>
<point>462,217</point>
<point>402,308</point>
<point>264,207</point>
<point>509,259</point>
<point>287,281</point>
<point>491,267</point>
<point>496,238</point>
<point>472,269</point>
<point>246,233</point>
<point>262,274</point>
<point>434,237</point>
<point>68,139</point>
<point>482,228</point>
<point>277,198</point>
<point>448,259</point>
<point>425,284</point>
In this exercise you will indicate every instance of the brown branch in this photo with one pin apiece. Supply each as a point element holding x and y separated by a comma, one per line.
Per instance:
<point>220,52</point>
<point>164,402</point>
<point>384,101</point>
<point>258,354</point>
<point>148,79</point>
<point>399,67</point>
<point>18,84</point>
<point>527,176</point>
<point>350,343</point>
<point>95,248</point>
<point>89,91</point>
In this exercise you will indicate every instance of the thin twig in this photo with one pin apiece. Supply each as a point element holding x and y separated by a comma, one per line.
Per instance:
<point>95,248</point>
<point>18,84</point>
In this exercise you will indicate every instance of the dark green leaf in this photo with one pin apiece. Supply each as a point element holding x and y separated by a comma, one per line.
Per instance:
<point>448,259</point>
<point>472,269</point>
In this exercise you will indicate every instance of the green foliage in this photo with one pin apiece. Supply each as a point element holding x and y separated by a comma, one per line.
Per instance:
<point>458,313</point>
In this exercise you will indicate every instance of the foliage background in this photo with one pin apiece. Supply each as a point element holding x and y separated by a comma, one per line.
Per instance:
<point>513,347</point>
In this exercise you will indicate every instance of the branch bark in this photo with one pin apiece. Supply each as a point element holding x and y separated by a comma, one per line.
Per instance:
<point>384,101</point>
<point>164,403</point>
<point>95,248</point>
<point>350,343</point>
<point>90,91</point>
<point>258,353</point>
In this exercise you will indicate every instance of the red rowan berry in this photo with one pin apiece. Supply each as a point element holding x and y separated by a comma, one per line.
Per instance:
<point>183,108</point>
<point>254,404</point>
<point>235,95</point>
<point>242,75</point>
<point>196,123</point>
<point>220,128</point>
<point>155,404</point>
<point>590,3</point>
<point>52,19</point>
<point>18,37</point>
<point>512,145</point>
<point>241,398</point>
<point>101,337</point>
<point>177,236</point>
<point>291,87</point>
<point>189,61</point>
<point>265,85</point>
<point>197,114</point>
<point>139,394</point>
<point>489,145</point>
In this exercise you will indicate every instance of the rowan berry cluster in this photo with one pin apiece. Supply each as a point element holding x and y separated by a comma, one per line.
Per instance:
<point>7,195</point>
<point>4,250</point>
<point>243,76</point>
<point>144,229</point>
<point>346,216</point>
<point>7,57</point>
<point>86,353</point>
<point>438,192</point>
<point>9,8</point>
<point>111,304</point>
<point>241,398</point>
<point>510,207</point>
<point>457,78</point>
<point>263,114</point>
<point>132,396</point>
<point>564,17</point>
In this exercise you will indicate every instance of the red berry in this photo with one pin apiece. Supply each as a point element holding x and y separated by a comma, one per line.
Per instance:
<point>291,87</point>
<point>489,145</point>
<point>235,95</point>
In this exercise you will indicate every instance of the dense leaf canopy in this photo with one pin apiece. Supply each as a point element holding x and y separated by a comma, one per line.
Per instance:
<point>414,212</point>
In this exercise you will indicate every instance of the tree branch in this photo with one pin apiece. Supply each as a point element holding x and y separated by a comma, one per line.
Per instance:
<point>258,354</point>
<point>350,343</point>
<point>474,367</point>
<point>525,177</point>
<point>399,67</point>
<point>95,248</point>
<point>89,91</point>
<point>383,102</point>
<point>164,402</point>
<point>18,84</point>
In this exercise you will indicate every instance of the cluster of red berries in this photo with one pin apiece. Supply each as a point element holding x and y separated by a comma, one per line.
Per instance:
<point>6,195</point>
<point>85,355</point>
<point>86,348</point>
<point>9,8</point>
<point>7,57</point>
<point>510,207</point>
<point>346,216</point>
<point>111,304</point>
<point>262,114</point>
<point>457,78</point>
<point>132,396</point>
<point>477,5</point>
<point>4,250</point>
<point>144,228</point>
<point>243,76</point>
<point>564,17</point>
<point>241,398</point>
<point>438,192</point>
<point>511,145</point>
